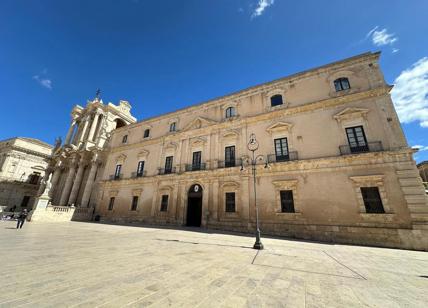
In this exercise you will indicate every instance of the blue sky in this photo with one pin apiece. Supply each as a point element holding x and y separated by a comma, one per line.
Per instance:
<point>164,55</point>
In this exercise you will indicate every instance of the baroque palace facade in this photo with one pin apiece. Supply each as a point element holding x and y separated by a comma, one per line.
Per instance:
<point>332,164</point>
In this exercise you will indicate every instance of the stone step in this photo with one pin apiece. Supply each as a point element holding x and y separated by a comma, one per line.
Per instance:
<point>409,173</point>
<point>413,190</point>
<point>410,181</point>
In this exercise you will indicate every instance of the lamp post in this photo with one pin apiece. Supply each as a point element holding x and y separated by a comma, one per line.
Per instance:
<point>253,145</point>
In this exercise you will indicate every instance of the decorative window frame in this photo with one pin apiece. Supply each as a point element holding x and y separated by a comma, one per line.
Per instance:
<point>370,181</point>
<point>136,193</point>
<point>342,74</point>
<point>112,194</point>
<point>287,185</point>
<point>164,190</point>
<point>230,138</point>
<point>234,187</point>
<point>145,127</point>
<point>351,117</point>
<point>197,144</point>
<point>224,107</point>
<point>143,155</point>
<point>281,130</point>
<point>176,121</point>
<point>120,159</point>
<point>269,94</point>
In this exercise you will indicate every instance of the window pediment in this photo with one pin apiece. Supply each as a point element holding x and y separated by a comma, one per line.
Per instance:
<point>143,154</point>
<point>199,122</point>
<point>351,113</point>
<point>230,185</point>
<point>171,146</point>
<point>279,127</point>
<point>198,141</point>
<point>233,134</point>
<point>120,158</point>
<point>285,184</point>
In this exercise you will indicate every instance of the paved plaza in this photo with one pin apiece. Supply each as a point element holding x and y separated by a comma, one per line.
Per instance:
<point>98,265</point>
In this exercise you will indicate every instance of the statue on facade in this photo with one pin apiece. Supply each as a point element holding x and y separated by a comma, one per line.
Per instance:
<point>47,185</point>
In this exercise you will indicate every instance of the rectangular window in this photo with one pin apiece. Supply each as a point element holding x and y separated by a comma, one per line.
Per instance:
<point>164,203</point>
<point>134,203</point>
<point>372,200</point>
<point>196,160</point>
<point>117,171</point>
<point>124,139</point>
<point>287,201</point>
<point>168,164</point>
<point>140,168</point>
<point>111,204</point>
<point>357,139</point>
<point>281,149</point>
<point>230,202</point>
<point>229,156</point>
<point>146,133</point>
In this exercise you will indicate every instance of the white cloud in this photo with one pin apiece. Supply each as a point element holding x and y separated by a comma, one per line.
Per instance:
<point>44,82</point>
<point>381,37</point>
<point>410,93</point>
<point>420,147</point>
<point>394,50</point>
<point>261,6</point>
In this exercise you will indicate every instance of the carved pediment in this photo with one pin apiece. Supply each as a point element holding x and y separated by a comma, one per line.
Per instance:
<point>121,158</point>
<point>198,141</point>
<point>230,185</point>
<point>230,134</point>
<point>351,113</point>
<point>143,153</point>
<point>171,145</point>
<point>199,122</point>
<point>285,184</point>
<point>279,126</point>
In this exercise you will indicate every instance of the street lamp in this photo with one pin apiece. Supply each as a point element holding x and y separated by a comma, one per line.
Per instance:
<point>253,145</point>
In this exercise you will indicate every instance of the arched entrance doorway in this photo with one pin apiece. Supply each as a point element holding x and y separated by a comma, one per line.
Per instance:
<point>194,206</point>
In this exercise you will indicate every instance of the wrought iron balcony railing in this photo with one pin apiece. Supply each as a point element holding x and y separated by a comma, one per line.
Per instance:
<point>229,163</point>
<point>166,171</point>
<point>116,177</point>
<point>273,158</point>
<point>135,175</point>
<point>195,167</point>
<point>375,146</point>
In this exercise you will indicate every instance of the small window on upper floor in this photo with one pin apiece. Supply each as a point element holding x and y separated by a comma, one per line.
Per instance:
<point>230,112</point>
<point>173,127</point>
<point>147,133</point>
<point>341,84</point>
<point>276,100</point>
<point>125,139</point>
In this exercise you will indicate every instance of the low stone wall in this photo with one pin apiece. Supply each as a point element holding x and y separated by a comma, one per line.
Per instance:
<point>83,214</point>
<point>53,214</point>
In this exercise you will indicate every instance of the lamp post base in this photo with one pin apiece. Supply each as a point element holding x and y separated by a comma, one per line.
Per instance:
<point>258,244</point>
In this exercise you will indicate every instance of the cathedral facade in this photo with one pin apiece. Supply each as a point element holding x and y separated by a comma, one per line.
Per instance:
<point>330,161</point>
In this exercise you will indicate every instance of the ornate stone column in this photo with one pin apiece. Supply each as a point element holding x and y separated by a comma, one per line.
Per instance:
<point>68,182</point>
<point>77,182</point>
<point>89,184</point>
<point>93,126</point>
<point>54,180</point>
<point>70,132</point>
<point>85,127</point>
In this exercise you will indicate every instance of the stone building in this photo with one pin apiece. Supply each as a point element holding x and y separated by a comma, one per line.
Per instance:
<point>423,170</point>
<point>332,162</point>
<point>77,166</point>
<point>23,162</point>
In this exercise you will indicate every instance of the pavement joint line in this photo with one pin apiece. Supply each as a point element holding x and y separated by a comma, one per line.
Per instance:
<point>355,272</point>
<point>197,243</point>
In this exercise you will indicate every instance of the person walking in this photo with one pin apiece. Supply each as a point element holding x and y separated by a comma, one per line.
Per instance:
<point>21,219</point>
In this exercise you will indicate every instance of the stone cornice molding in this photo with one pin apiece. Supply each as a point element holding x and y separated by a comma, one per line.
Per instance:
<point>367,178</point>
<point>198,123</point>
<point>230,184</point>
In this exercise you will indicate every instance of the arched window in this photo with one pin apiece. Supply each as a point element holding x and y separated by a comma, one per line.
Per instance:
<point>173,127</point>
<point>120,123</point>
<point>147,133</point>
<point>230,112</point>
<point>341,84</point>
<point>276,100</point>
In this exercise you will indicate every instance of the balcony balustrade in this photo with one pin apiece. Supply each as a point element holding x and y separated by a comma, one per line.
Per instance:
<point>229,163</point>
<point>195,167</point>
<point>135,175</point>
<point>116,177</point>
<point>162,171</point>
<point>273,158</point>
<point>375,146</point>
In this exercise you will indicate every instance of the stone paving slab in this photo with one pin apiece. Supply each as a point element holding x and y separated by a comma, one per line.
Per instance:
<point>98,265</point>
